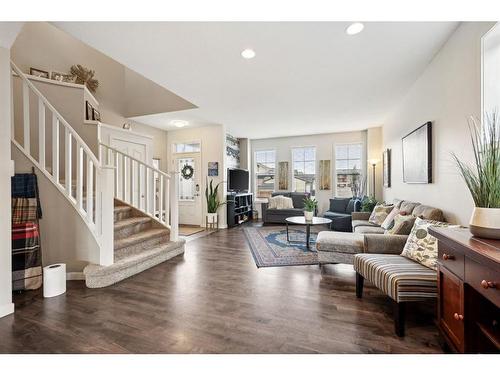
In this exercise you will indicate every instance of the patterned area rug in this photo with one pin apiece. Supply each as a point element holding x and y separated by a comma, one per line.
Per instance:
<point>270,248</point>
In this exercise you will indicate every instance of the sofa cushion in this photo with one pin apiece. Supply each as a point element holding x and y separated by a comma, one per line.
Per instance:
<point>408,207</point>
<point>388,223</point>
<point>362,223</point>
<point>341,242</point>
<point>280,202</point>
<point>287,212</point>
<point>298,199</point>
<point>379,213</point>
<point>428,213</point>
<point>372,230</point>
<point>402,224</point>
<point>400,278</point>
<point>421,246</point>
<point>397,202</point>
<point>339,204</point>
<point>284,193</point>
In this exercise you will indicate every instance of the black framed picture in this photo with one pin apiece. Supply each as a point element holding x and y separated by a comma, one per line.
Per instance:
<point>417,155</point>
<point>39,73</point>
<point>386,165</point>
<point>96,116</point>
<point>88,110</point>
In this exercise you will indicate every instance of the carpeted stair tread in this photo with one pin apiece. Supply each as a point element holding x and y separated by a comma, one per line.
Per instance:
<point>122,208</point>
<point>130,221</point>
<point>140,237</point>
<point>101,276</point>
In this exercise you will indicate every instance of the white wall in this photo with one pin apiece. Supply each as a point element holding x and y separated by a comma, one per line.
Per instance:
<point>446,93</point>
<point>6,305</point>
<point>213,148</point>
<point>324,144</point>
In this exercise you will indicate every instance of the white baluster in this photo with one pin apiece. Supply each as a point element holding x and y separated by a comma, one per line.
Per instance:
<point>26,117</point>
<point>140,204</point>
<point>161,195</point>
<point>116,174</point>
<point>79,176</point>
<point>55,149</point>
<point>41,133</point>
<point>90,190</point>
<point>167,200</point>
<point>147,205</point>
<point>131,181</point>
<point>124,181</point>
<point>174,208</point>
<point>67,160</point>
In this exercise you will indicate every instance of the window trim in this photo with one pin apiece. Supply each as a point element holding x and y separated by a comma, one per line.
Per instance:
<point>254,164</point>
<point>174,147</point>
<point>293,187</point>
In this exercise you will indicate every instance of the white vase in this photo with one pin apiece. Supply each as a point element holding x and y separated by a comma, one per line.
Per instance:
<point>308,215</point>
<point>485,223</point>
<point>212,218</point>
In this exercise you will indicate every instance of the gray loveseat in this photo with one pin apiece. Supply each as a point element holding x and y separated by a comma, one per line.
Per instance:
<point>276,216</point>
<point>340,213</point>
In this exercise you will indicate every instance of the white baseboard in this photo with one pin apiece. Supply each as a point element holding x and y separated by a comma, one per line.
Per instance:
<point>75,276</point>
<point>6,309</point>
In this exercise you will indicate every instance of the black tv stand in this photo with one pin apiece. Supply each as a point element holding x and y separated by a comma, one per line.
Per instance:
<point>239,208</point>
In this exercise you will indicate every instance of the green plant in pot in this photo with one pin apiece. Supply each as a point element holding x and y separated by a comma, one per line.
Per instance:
<point>482,177</point>
<point>310,205</point>
<point>368,204</point>
<point>213,201</point>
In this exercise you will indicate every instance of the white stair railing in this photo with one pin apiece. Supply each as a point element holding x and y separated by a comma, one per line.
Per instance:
<point>144,187</point>
<point>91,196</point>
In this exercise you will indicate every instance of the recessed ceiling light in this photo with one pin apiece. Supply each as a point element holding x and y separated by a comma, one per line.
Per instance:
<point>179,123</point>
<point>248,53</point>
<point>354,28</point>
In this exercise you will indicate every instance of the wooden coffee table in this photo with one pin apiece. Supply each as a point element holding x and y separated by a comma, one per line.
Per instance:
<point>301,220</point>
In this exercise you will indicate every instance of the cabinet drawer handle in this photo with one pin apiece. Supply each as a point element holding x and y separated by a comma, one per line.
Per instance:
<point>448,257</point>
<point>458,316</point>
<point>488,284</point>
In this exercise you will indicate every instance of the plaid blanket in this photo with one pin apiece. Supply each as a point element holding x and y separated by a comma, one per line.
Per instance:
<point>24,210</point>
<point>26,257</point>
<point>25,185</point>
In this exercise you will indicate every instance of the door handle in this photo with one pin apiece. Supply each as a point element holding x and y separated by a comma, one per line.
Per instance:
<point>197,188</point>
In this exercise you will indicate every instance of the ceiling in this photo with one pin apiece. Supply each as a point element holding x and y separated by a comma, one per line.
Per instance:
<point>306,77</point>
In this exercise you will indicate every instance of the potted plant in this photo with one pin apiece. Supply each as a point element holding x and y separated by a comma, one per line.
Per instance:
<point>482,177</point>
<point>213,202</point>
<point>310,205</point>
<point>368,204</point>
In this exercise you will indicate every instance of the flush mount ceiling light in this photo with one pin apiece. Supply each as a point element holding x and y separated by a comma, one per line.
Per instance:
<point>354,28</point>
<point>248,53</point>
<point>179,123</point>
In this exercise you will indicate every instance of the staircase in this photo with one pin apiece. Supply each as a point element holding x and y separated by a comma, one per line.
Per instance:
<point>129,207</point>
<point>139,243</point>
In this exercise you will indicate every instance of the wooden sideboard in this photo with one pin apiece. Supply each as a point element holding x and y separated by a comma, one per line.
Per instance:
<point>468,291</point>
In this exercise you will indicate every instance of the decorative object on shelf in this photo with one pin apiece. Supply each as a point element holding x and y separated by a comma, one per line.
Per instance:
<point>417,155</point>
<point>213,168</point>
<point>96,116</point>
<point>386,167</point>
<point>187,171</point>
<point>213,202</point>
<point>283,175</point>
<point>325,182</point>
<point>483,177</point>
<point>62,77</point>
<point>127,126</point>
<point>39,73</point>
<point>310,205</point>
<point>85,76</point>
<point>88,110</point>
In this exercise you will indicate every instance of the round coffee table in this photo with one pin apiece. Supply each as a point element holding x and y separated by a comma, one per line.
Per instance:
<point>301,220</point>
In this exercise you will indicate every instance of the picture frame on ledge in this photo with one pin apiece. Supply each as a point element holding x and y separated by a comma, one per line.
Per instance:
<point>88,110</point>
<point>39,73</point>
<point>96,116</point>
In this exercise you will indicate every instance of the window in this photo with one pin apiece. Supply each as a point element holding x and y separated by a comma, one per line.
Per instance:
<point>265,166</point>
<point>304,169</point>
<point>348,167</point>
<point>187,147</point>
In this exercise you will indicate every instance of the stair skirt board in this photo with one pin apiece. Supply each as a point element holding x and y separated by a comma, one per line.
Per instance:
<point>99,276</point>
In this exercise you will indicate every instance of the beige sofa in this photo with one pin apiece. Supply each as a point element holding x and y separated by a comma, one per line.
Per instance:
<point>339,247</point>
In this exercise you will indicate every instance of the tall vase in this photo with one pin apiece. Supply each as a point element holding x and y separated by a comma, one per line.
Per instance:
<point>485,223</point>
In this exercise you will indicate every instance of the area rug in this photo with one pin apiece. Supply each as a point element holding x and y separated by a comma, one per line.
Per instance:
<point>270,248</point>
<point>188,230</point>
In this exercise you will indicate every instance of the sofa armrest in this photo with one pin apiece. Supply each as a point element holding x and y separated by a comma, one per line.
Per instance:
<point>361,215</point>
<point>384,243</point>
<point>263,208</point>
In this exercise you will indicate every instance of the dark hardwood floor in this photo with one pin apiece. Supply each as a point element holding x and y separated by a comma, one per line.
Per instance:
<point>215,300</point>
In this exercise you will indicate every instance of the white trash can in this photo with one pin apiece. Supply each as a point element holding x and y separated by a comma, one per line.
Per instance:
<point>54,280</point>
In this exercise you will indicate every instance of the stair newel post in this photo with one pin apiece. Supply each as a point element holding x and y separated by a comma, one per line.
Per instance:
<point>106,203</point>
<point>174,206</point>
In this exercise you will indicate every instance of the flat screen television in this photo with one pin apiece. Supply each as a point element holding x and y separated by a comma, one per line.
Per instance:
<point>237,180</point>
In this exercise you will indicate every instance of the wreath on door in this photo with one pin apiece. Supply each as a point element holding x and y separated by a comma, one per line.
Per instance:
<point>187,172</point>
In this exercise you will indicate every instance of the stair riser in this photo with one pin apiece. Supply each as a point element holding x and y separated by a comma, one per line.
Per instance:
<point>122,214</point>
<point>131,229</point>
<point>141,246</point>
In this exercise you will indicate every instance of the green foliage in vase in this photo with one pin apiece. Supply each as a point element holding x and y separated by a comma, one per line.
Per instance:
<point>482,177</point>
<point>212,197</point>
<point>368,204</point>
<point>310,204</point>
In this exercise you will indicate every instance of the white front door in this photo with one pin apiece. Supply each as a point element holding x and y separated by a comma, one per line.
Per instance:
<point>189,188</point>
<point>137,151</point>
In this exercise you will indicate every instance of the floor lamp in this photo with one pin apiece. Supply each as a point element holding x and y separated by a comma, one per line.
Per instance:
<point>373,162</point>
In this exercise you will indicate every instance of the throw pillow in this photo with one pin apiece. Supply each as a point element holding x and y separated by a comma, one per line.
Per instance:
<point>421,246</point>
<point>280,202</point>
<point>402,224</point>
<point>388,223</point>
<point>379,214</point>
